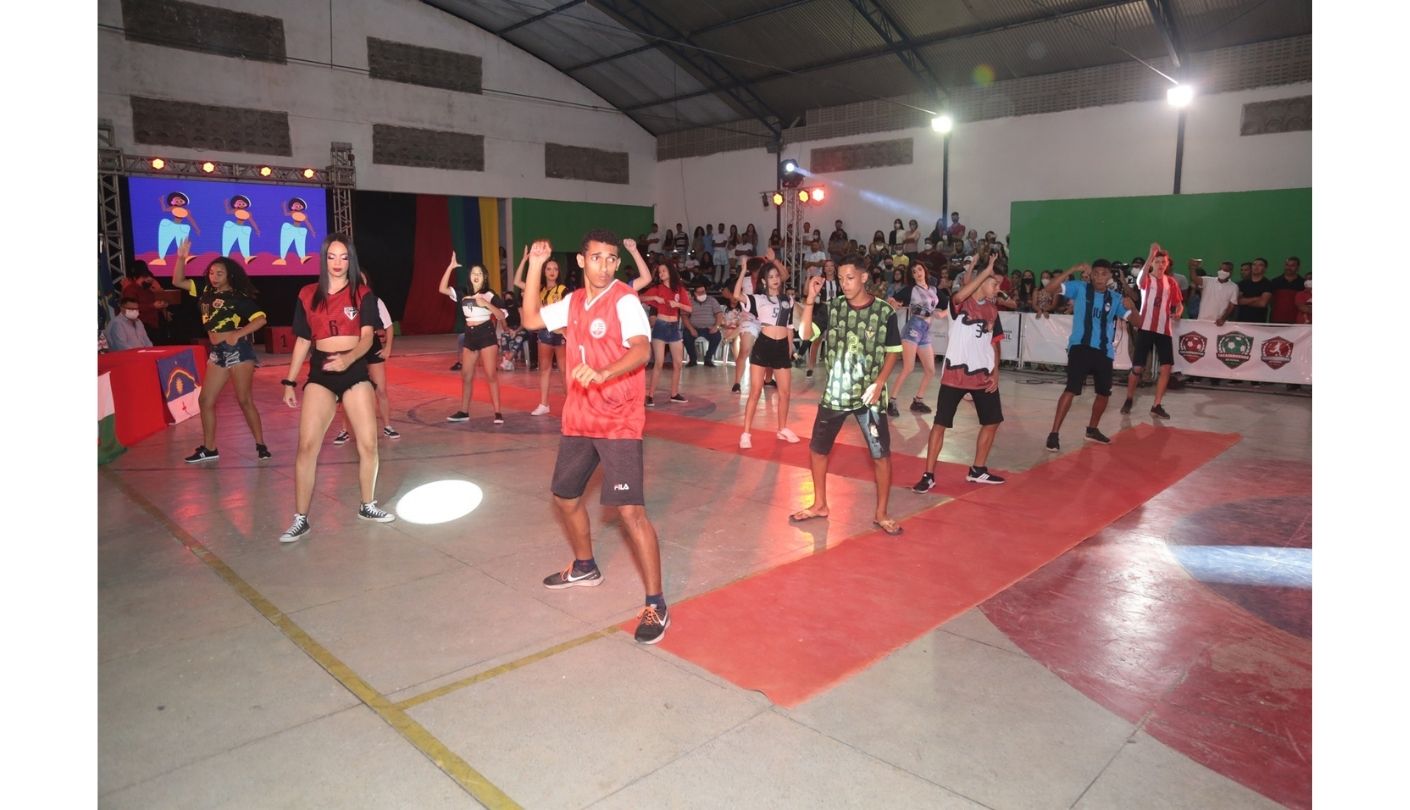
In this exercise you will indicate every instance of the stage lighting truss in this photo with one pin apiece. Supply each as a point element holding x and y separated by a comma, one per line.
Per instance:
<point>224,170</point>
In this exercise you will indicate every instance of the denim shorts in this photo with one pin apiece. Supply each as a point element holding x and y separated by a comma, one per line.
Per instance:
<point>917,331</point>
<point>227,356</point>
<point>666,331</point>
<point>548,338</point>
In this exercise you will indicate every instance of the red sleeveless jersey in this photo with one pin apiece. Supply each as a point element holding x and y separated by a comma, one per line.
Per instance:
<point>615,409</point>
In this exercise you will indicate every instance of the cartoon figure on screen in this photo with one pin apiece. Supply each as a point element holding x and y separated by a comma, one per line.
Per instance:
<point>238,229</point>
<point>173,229</point>
<point>296,231</point>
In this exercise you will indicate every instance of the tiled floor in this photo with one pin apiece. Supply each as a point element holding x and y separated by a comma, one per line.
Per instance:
<point>1165,662</point>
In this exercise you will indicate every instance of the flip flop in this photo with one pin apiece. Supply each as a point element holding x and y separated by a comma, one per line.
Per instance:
<point>889,526</point>
<point>804,515</point>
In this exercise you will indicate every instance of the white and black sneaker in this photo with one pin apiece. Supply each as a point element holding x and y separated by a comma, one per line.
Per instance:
<point>202,454</point>
<point>390,432</point>
<point>981,475</point>
<point>570,577</point>
<point>925,483</point>
<point>297,530</point>
<point>371,511</point>
<point>1094,435</point>
<point>342,437</point>
<point>651,625</point>
<point>1052,445</point>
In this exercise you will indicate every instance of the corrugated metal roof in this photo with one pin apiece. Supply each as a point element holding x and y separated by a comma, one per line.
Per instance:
<point>838,55</point>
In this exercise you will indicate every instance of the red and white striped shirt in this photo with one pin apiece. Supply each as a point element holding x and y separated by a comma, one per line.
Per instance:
<point>1160,296</point>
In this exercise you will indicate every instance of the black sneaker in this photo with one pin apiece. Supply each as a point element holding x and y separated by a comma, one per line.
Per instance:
<point>678,398</point>
<point>342,437</point>
<point>926,482</point>
<point>734,389</point>
<point>1094,435</point>
<point>390,432</point>
<point>570,577</point>
<point>297,530</point>
<point>1126,406</point>
<point>919,407</point>
<point>691,364</point>
<point>263,452</point>
<point>772,383</point>
<point>1052,444</point>
<point>458,416</point>
<point>498,418</point>
<point>652,626</point>
<point>809,374</point>
<point>650,401</point>
<point>455,367</point>
<point>202,454</point>
<point>709,364</point>
<point>371,511</point>
<point>1159,413</point>
<point>891,409</point>
<point>981,475</point>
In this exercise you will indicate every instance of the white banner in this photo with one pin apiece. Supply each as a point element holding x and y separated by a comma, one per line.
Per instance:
<point>1044,340</point>
<point>940,334</point>
<point>1244,351</point>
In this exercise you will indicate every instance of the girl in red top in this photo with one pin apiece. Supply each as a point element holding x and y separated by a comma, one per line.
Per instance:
<point>335,318</point>
<point>671,298</point>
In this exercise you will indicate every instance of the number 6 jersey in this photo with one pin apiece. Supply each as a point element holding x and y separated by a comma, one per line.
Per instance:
<point>969,356</point>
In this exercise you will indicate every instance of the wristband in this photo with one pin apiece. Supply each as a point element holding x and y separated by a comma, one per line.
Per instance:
<point>289,383</point>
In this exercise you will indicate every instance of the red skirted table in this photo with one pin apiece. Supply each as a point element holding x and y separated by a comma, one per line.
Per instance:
<point>138,403</point>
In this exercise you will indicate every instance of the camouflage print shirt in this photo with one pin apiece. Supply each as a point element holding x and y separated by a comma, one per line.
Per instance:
<point>854,348</point>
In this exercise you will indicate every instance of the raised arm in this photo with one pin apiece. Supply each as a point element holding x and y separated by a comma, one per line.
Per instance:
<point>529,315</point>
<point>1054,286</point>
<point>519,271</point>
<point>972,283</point>
<point>810,299</point>
<point>445,288</point>
<point>178,272</point>
<point>643,273</point>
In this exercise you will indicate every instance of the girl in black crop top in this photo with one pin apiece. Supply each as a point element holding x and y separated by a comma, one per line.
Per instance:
<point>480,307</point>
<point>230,314</point>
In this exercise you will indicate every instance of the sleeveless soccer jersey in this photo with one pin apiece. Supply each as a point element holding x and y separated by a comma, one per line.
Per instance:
<point>615,409</point>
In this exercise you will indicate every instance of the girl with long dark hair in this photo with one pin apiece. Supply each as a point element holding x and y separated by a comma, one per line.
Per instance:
<point>772,349</point>
<point>479,345</point>
<point>334,319</point>
<point>670,298</point>
<point>230,314</point>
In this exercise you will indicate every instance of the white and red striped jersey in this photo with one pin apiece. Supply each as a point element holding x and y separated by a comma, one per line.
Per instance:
<point>1160,296</point>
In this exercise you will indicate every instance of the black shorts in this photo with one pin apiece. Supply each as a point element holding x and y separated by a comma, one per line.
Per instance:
<point>476,338</point>
<point>986,404</point>
<point>1164,348</point>
<point>374,354</point>
<point>337,382</point>
<point>770,353</point>
<point>622,467</point>
<point>872,421</point>
<point>1084,360</point>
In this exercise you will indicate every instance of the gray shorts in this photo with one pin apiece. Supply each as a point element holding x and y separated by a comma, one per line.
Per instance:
<point>622,469</point>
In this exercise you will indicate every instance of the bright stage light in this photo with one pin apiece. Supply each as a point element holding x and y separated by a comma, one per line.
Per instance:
<point>790,166</point>
<point>1180,95</point>
<point>207,167</point>
<point>802,195</point>
<point>777,198</point>
<point>158,163</point>
<point>818,195</point>
<point>265,171</point>
<point>439,502</point>
<point>942,123</point>
<point>308,174</point>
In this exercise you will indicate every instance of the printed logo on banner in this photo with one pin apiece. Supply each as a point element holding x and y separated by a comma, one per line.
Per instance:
<point>1277,352</point>
<point>1193,346</point>
<point>1233,349</point>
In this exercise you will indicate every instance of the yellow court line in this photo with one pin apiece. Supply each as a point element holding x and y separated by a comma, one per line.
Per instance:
<point>471,780</point>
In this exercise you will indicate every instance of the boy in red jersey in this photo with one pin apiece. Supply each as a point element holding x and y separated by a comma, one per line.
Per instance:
<point>604,415</point>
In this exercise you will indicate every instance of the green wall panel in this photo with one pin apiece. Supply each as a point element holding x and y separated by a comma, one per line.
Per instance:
<point>564,223</point>
<point>1237,226</point>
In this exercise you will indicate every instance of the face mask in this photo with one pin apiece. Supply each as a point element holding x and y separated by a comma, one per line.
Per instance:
<point>130,314</point>
<point>1307,283</point>
<point>701,297</point>
<point>1223,275</point>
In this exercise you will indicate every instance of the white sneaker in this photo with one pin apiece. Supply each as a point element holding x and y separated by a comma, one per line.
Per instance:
<point>541,410</point>
<point>745,442</point>
<point>788,435</point>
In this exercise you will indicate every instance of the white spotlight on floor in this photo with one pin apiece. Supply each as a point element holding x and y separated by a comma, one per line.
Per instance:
<point>942,124</point>
<point>439,502</point>
<point>1180,95</point>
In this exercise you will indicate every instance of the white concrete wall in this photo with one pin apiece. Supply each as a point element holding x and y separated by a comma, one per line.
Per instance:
<point>328,104</point>
<point>1113,151</point>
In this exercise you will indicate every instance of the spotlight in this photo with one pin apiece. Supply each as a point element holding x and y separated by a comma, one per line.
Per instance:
<point>764,198</point>
<point>790,166</point>
<point>818,195</point>
<point>207,167</point>
<point>439,502</point>
<point>1180,95</point>
<point>789,175</point>
<point>778,198</point>
<point>265,171</point>
<point>158,164</point>
<point>942,123</point>
<point>308,174</point>
<point>802,195</point>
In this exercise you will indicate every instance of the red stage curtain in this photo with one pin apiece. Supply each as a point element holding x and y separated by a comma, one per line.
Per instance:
<point>427,311</point>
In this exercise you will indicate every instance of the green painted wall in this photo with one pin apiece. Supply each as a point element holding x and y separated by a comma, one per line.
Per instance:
<point>1237,226</point>
<point>564,223</point>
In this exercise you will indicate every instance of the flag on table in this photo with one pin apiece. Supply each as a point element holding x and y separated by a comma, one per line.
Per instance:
<point>180,389</point>
<point>109,447</point>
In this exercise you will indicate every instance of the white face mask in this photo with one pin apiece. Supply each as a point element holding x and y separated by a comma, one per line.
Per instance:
<point>1307,282</point>
<point>131,314</point>
<point>1223,275</point>
<point>701,297</point>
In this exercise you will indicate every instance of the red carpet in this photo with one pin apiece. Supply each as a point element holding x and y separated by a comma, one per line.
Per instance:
<point>844,608</point>
<point>847,460</point>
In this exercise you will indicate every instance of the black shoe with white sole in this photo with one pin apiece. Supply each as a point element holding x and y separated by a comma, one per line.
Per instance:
<point>981,475</point>
<point>297,530</point>
<point>371,511</point>
<point>202,454</point>
<point>1094,435</point>
<point>1052,444</point>
<point>652,625</point>
<point>926,482</point>
<point>263,452</point>
<point>571,577</point>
